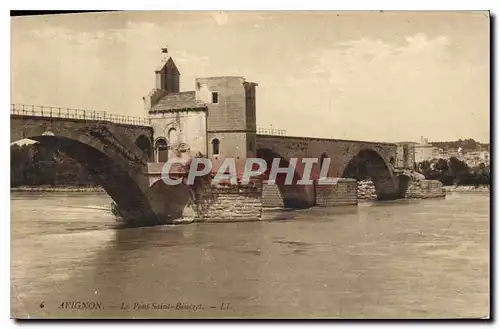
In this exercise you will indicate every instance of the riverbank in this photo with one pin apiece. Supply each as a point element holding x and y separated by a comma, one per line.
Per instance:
<point>57,189</point>
<point>366,189</point>
<point>467,189</point>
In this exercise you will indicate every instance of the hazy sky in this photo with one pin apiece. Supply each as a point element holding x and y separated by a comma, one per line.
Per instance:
<point>352,75</point>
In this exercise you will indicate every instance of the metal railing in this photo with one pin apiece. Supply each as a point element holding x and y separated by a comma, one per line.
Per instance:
<point>271,131</point>
<point>66,113</point>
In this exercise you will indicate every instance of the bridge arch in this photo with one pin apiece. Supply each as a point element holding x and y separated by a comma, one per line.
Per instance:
<point>113,175</point>
<point>172,201</point>
<point>294,195</point>
<point>369,163</point>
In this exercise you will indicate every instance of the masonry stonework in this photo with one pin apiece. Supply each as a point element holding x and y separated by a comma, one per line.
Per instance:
<point>424,189</point>
<point>228,112</point>
<point>343,193</point>
<point>405,155</point>
<point>417,189</point>
<point>340,152</point>
<point>232,145</point>
<point>228,203</point>
<point>347,158</point>
<point>271,196</point>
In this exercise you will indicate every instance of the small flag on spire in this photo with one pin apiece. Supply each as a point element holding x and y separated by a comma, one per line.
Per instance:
<point>164,50</point>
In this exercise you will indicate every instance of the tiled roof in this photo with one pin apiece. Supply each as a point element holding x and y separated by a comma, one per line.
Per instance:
<point>164,62</point>
<point>178,101</point>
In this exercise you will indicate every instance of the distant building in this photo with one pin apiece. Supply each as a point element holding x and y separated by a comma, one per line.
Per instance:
<point>475,158</point>
<point>425,151</point>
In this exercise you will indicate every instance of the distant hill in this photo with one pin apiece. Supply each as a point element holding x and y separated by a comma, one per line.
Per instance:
<point>466,145</point>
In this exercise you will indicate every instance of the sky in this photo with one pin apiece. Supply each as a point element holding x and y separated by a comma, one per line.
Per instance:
<point>381,76</point>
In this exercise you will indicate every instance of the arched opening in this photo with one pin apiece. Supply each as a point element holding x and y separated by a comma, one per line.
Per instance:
<point>293,196</point>
<point>144,143</point>
<point>161,150</point>
<point>215,146</point>
<point>110,173</point>
<point>369,164</point>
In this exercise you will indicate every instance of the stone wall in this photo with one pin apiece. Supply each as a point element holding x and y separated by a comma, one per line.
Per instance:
<point>228,203</point>
<point>231,145</point>
<point>271,196</point>
<point>344,192</point>
<point>423,189</point>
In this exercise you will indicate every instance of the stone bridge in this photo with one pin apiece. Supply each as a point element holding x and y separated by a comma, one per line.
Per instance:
<point>348,159</point>
<point>117,151</point>
<point>113,149</point>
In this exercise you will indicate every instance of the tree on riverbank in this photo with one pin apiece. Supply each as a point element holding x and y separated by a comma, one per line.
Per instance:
<point>35,165</point>
<point>465,144</point>
<point>455,171</point>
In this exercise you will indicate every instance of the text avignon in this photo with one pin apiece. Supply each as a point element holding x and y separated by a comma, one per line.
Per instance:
<point>79,305</point>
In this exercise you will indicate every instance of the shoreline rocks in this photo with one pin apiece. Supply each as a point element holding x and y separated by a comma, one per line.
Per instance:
<point>467,188</point>
<point>366,190</point>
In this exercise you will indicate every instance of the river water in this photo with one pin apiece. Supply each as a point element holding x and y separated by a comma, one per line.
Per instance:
<point>400,259</point>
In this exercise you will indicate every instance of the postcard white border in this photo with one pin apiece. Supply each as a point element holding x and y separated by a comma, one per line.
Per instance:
<point>5,321</point>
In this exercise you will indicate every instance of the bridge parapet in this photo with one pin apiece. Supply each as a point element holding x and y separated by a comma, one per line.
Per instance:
<point>271,132</point>
<point>67,113</point>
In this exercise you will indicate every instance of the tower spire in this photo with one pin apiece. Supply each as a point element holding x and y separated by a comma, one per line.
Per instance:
<point>167,75</point>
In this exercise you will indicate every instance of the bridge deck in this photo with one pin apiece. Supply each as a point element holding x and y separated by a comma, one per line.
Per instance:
<point>78,114</point>
<point>264,136</point>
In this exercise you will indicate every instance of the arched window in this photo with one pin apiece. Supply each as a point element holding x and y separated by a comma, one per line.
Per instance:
<point>161,150</point>
<point>215,146</point>
<point>172,136</point>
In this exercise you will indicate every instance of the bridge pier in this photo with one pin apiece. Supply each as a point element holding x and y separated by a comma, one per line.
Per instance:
<point>203,201</point>
<point>344,192</point>
<point>386,188</point>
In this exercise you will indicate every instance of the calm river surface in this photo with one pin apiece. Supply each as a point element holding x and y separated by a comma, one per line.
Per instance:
<point>407,258</point>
